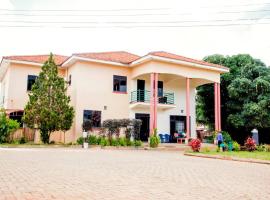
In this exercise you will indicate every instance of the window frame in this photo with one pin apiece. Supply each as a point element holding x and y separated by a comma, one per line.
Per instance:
<point>33,78</point>
<point>119,79</point>
<point>91,113</point>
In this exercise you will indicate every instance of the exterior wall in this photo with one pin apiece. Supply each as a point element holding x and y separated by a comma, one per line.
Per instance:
<point>178,86</point>
<point>93,85</point>
<point>92,89</point>
<point>5,89</point>
<point>170,68</point>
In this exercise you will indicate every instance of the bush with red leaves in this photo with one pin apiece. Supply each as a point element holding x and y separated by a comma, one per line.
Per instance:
<point>250,144</point>
<point>195,145</point>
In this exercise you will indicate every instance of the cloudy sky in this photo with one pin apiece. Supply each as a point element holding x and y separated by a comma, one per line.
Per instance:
<point>189,28</point>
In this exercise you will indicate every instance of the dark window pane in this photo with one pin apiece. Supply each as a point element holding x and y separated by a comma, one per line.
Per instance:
<point>160,88</point>
<point>119,83</point>
<point>94,116</point>
<point>30,81</point>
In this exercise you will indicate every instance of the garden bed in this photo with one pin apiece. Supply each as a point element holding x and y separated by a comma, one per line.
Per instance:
<point>243,156</point>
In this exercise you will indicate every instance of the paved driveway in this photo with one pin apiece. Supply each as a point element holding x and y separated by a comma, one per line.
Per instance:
<point>127,174</point>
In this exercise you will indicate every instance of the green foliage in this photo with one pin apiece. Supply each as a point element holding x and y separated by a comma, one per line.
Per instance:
<point>137,143</point>
<point>80,140</point>
<point>122,141</point>
<point>104,142</point>
<point>226,137</point>
<point>245,94</point>
<point>154,139</point>
<point>7,126</point>
<point>114,142</point>
<point>113,126</point>
<point>129,142</point>
<point>236,146</point>
<point>261,147</point>
<point>92,139</point>
<point>48,107</point>
<point>22,140</point>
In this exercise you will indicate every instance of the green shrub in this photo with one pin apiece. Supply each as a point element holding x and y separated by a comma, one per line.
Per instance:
<point>267,148</point>
<point>129,142</point>
<point>226,137</point>
<point>236,146</point>
<point>22,140</point>
<point>16,141</point>
<point>104,142</point>
<point>154,139</point>
<point>80,140</point>
<point>114,142</point>
<point>123,141</point>
<point>7,126</point>
<point>98,140</point>
<point>92,139</point>
<point>261,147</point>
<point>137,143</point>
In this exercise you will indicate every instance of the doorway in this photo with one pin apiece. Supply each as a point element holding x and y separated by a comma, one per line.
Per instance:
<point>177,125</point>
<point>144,132</point>
<point>140,90</point>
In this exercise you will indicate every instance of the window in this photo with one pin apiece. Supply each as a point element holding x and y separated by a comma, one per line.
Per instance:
<point>119,83</point>
<point>30,81</point>
<point>160,88</point>
<point>94,116</point>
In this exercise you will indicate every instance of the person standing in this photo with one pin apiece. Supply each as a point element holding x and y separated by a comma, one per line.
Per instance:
<point>219,139</point>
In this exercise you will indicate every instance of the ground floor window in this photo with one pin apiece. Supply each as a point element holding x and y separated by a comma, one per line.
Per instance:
<point>17,116</point>
<point>94,116</point>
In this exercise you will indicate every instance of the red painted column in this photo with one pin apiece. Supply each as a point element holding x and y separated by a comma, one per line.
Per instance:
<point>216,106</point>
<point>152,102</point>
<point>156,99</point>
<point>219,107</point>
<point>188,107</point>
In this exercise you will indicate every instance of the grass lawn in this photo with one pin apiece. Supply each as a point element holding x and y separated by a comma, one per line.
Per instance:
<point>241,154</point>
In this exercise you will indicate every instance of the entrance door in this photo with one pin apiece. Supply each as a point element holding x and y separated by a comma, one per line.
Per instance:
<point>177,125</point>
<point>144,132</point>
<point>140,90</point>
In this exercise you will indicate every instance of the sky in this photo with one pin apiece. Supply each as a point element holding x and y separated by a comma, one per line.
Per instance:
<point>189,28</point>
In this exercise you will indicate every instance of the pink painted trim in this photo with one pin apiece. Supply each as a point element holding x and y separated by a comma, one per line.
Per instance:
<point>117,92</point>
<point>216,106</point>
<point>219,107</point>
<point>156,100</point>
<point>152,79</point>
<point>188,106</point>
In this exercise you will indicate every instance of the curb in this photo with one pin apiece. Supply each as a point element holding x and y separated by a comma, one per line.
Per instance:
<point>229,158</point>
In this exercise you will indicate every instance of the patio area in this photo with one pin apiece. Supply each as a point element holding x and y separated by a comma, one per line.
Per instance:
<point>133,174</point>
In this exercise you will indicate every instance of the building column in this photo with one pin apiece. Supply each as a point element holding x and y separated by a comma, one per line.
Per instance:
<point>152,114</point>
<point>188,107</point>
<point>153,101</point>
<point>217,107</point>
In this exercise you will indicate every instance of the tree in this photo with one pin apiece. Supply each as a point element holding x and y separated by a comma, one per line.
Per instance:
<point>245,94</point>
<point>48,107</point>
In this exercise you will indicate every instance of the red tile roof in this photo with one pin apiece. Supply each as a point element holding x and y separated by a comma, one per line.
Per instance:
<point>38,58</point>
<point>115,56</point>
<point>182,58</point>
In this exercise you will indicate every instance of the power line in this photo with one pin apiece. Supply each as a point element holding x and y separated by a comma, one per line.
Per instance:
<point>121,9</point>
<point>137,26</point>
<point>135,14</point>
<point>131,22</point>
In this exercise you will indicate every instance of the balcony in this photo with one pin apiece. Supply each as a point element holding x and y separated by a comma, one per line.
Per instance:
<point>141,99</point>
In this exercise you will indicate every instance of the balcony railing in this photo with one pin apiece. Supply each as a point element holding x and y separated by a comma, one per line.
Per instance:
<point>144,96</point>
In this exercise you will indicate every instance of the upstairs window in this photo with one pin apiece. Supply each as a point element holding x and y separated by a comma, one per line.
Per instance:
<point>119,83</point>
<point>94,116</point>
<point>30,81</point>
